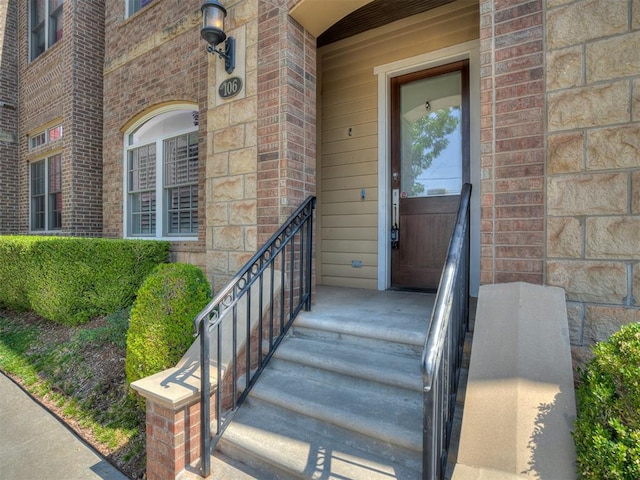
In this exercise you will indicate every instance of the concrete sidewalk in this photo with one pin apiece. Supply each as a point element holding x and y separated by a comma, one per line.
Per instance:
<point>35,445</point>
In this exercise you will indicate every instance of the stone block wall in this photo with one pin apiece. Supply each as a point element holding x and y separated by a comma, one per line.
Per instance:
<point>8,116</point>
<point>261,143</point>
<point>231,165</point>
<point>153,58</point>
<point>512,141</point>
<point>593,163</point>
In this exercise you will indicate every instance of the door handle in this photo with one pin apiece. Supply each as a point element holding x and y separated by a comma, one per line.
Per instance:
<point>395,231</point>
<point>395,237</point>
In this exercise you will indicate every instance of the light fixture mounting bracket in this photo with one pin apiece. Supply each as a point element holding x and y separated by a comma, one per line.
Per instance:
<point>228,55</point>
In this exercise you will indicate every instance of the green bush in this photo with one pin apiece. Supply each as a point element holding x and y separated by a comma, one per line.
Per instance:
<point>607,430</point>
<point>71,280</point>
<point>15,266</point>
<point>161,326</point>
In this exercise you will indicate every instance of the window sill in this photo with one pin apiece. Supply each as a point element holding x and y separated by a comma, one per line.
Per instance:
<point>164,239</point>
<point>47,52</point>
<point>140,12</point>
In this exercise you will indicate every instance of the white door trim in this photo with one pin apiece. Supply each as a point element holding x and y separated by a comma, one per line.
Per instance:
<point>468,50</point>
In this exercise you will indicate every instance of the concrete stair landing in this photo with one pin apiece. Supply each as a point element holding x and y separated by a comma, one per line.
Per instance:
<point>342,397</point>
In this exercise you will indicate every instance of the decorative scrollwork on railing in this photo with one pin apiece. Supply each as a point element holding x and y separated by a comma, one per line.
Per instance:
<point>292,255</point>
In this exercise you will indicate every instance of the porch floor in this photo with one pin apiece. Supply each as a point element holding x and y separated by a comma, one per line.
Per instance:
<point>372,308</point>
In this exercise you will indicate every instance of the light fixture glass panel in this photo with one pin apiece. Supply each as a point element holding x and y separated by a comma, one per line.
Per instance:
<point>213,17</point>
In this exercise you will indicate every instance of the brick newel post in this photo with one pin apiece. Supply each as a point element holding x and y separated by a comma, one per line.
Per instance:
<point>173,439</point>
<point>173,423</point>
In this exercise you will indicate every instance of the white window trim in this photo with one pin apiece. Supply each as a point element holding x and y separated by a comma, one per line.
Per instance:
<point>160,204</point>
<point>468,50</point>
<point>44,159</point>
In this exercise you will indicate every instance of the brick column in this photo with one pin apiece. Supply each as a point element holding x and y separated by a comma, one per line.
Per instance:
<point>173,439</point>
<point>286,116</point>
<point>173,422</point>
<point>82,87</point>
<point>512,141</point>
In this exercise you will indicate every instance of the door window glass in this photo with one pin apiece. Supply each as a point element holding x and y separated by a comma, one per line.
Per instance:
<point>431,136</point>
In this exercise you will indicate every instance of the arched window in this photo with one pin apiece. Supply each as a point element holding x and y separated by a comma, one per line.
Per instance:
<point>161,175</point>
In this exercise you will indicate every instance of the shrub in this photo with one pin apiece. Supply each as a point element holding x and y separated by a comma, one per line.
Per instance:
<point>71,280</point>
<point>607,430</point>
<point>161,326</point>
<point>15,266</point>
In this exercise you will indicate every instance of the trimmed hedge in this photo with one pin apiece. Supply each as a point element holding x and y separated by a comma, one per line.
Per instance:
<point>71,280</point>
<point>607,430</point>
<point>161,325</point>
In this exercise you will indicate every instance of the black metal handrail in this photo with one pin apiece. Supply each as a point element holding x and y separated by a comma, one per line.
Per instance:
<point>258,333</point>
<point>443,349</point>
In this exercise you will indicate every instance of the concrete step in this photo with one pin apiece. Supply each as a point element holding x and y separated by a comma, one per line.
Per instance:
<point>400,369</point>
<point>286,445</point>
<point>408,338</point>
<point>223,467</point>
<point>388,413</point>
<point>342,395</point>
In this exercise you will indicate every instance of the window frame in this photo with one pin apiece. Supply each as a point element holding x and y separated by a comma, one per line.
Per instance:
<point>130,6</point>
<point>46,27</point>
<point>46,135</point>
<point>160,189</point>
<point>51,217</point>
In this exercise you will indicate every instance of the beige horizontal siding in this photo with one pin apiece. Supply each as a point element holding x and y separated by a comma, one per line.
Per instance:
<point>346,196</point>
<point>348,138</point>
<point>351,282</point>
<point>350,246</point>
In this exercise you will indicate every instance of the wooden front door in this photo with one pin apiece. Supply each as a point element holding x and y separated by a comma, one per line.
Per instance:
<point>429,164</point>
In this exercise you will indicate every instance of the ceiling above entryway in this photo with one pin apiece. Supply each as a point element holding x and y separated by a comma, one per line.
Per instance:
<point>331,21</point>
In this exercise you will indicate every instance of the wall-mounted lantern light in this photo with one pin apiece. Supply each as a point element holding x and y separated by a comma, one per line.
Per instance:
<point>213,15</point>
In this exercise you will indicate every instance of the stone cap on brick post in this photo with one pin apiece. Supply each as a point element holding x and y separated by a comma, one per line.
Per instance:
<point>175,387</point>
<point>172,419</point>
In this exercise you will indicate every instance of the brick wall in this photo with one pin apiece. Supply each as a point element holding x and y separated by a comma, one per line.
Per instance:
<point>83,53</point>
<point>153,58</point>
<point>8,116</point>
<point>40,93</point>
<point>286,116</point>
<point>593,164</point>
<point>64,85</point>
<point>512,141</point>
